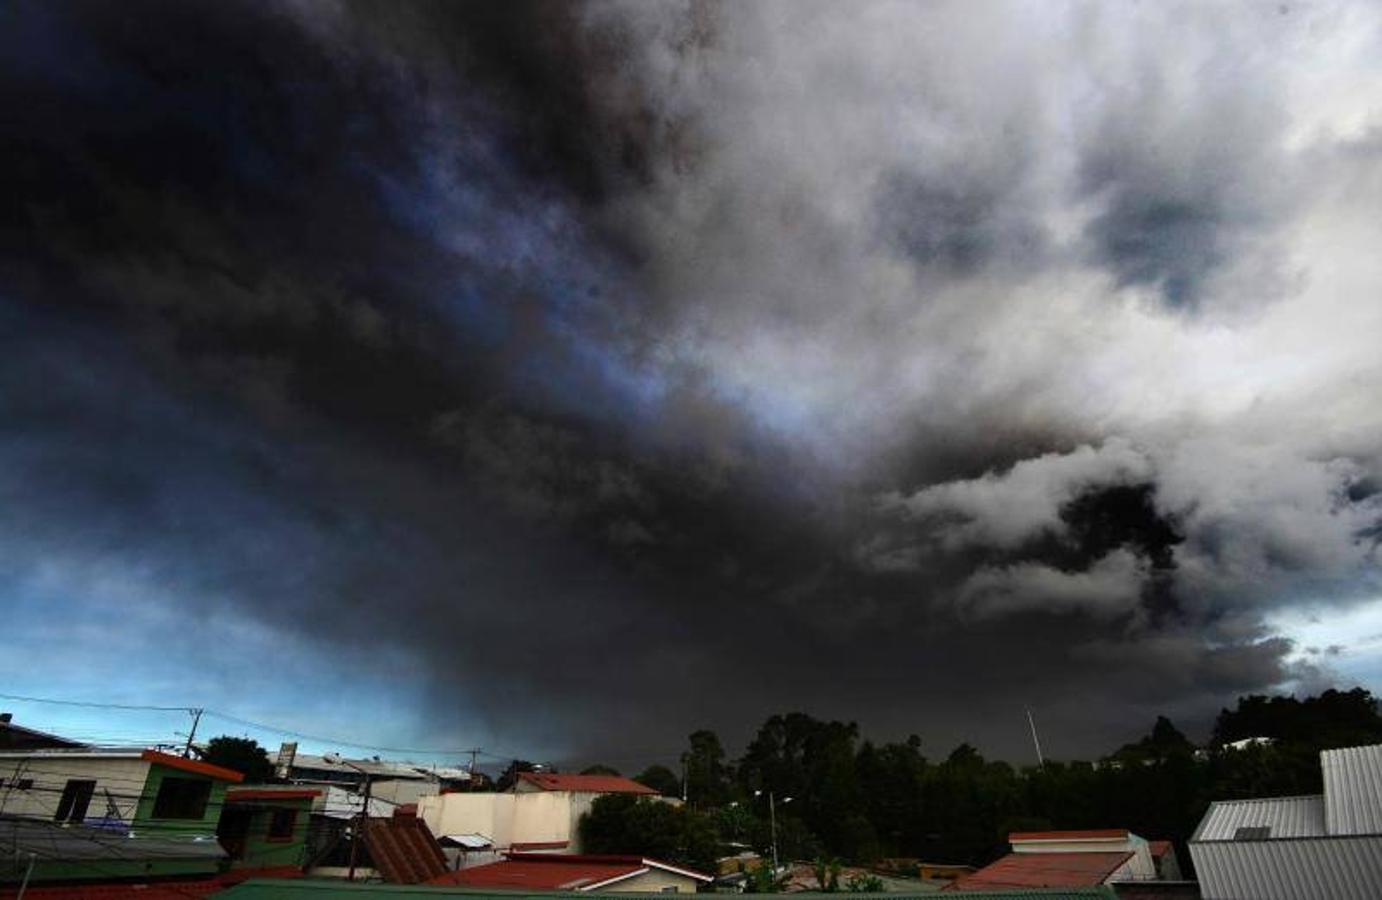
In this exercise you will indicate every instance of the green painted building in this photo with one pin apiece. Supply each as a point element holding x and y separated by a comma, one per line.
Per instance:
<point>90,814</point>
<point>265,826</point>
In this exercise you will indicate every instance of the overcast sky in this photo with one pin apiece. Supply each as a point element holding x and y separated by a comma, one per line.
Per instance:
<point>559,379</point>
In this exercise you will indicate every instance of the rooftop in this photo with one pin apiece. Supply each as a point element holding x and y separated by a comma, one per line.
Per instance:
<point>1088,834</point>
<point>1266,819</point>
<point>1353,789</point>
<point>157,757</point>
<point>559,872</point>
<point>592,784</point>
<point>1040,870</point>
<point>51,841</point>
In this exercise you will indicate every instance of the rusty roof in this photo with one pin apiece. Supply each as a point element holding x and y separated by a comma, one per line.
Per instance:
<point>404,850</point>
<point>592,784</point>
<point>1036,870</point>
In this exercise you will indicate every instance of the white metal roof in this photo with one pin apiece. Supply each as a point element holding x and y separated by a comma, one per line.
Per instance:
<point>380,768</point>
<point>472,841</point>
<point>1337,868</point>
<point>1285,817</point>
<point>1353,789</point>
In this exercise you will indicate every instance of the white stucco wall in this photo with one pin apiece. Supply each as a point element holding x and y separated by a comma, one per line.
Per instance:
<point>653,881</point>
<point>121,779</point>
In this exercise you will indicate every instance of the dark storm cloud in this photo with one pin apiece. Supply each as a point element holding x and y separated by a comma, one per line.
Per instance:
<point>649,366</point>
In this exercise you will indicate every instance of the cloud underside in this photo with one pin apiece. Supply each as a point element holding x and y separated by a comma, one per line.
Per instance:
<point>657,365</point>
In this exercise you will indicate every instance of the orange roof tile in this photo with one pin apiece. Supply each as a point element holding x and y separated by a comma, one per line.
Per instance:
<point>593,784</point>
<point>1022,870</point>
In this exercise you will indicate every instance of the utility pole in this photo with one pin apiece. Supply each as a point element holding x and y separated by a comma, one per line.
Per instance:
<point>1035,741</point>
<point>772,817</point>
<point>196,718</point>
<point>361,824</point>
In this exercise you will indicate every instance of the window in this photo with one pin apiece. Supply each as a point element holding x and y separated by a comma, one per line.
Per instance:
<point>182,798</point>
<point>281,822</point>
<point>76,797</point>
<point>1253,833</point>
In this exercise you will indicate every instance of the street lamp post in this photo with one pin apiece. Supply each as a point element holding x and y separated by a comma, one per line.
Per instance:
<point>772,822</point>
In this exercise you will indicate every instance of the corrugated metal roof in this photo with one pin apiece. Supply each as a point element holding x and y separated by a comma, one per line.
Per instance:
<point>1285,817</point>
<point>1339,868</point>
<point>1044,870</point>
<point>1353,789</point>
<point>403,850</point>
<point>51,841</point>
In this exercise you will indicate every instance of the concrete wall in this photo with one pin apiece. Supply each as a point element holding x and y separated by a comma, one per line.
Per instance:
<point>653,881</point>
<point>507,819</point>
<point>123,780</point>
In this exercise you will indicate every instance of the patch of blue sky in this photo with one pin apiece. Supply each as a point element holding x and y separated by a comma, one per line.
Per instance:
<point>1347,641</point>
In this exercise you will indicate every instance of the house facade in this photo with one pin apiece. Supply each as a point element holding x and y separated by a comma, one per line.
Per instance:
<point>100,814</point>
<point>542,812</point>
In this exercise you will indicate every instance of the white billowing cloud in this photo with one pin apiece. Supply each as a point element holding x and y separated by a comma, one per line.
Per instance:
<point>1005,510</point>
<point>1108,589</point>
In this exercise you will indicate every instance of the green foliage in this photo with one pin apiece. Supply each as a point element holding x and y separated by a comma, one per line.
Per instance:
<point>625,823</point>
<point>707,776</point>
<point>763,880</point>
<point>240,754</point>
<point>660,779</point>
<point>1164,741</point>
<point>859,801</point>
<point>861,883</point>
<point>827,874</point>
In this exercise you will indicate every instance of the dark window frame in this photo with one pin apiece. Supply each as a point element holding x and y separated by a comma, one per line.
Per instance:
<point>279,819</point>
<point>75,800</point>
<point>182,798</point>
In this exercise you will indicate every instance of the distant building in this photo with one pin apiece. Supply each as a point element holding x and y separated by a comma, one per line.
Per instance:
<point>1327,845</point>
<point>398,782</point>
<point>543,811</point>
<point>17,737</point>
<point>582,874</point>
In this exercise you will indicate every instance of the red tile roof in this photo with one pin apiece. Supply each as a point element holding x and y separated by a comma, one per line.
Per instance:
<point>593,784</point>
<point>558,871</point>
<point>1159,848</point>
<point>1089,834</point>
<point>191,765</point>
<point>1022,870</point>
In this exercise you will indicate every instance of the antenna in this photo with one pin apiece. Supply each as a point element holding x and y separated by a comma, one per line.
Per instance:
<point>1035,740</point>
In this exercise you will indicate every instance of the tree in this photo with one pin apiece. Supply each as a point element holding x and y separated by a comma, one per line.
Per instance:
<point>240,754</point>
<point>707,776</point>
<point>600,769</point>
<point>660,779</point>
<point>1165,740</point>
<point>629,824</point>
<point>510,776</point>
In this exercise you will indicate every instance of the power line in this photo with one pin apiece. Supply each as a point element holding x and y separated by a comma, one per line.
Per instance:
<point>94,705</point>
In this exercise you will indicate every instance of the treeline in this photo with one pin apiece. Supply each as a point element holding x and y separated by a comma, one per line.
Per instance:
<point>859,801</point>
